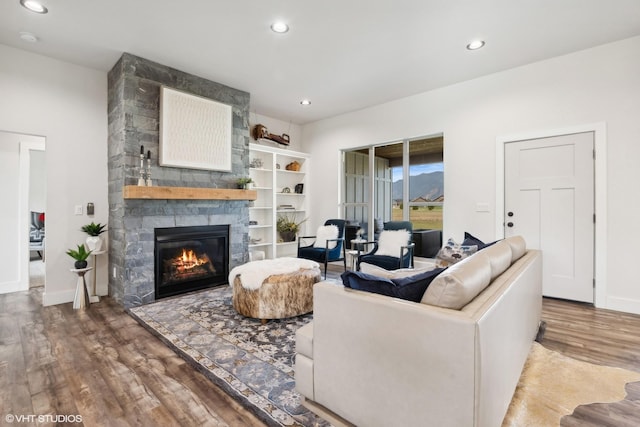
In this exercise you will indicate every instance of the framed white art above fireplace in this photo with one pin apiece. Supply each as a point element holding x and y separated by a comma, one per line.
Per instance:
<point>195,132</point>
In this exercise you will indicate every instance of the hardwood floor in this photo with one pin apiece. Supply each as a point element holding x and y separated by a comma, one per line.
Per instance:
<point>102,365</point>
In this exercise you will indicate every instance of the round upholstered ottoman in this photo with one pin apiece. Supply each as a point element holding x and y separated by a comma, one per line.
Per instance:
<point>279,295</point>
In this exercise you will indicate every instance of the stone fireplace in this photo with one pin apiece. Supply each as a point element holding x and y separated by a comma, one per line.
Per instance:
<point>190,258</point>
<point>133,116</point>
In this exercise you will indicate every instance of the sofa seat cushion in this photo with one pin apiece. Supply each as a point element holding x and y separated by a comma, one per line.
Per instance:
<point>304,340</point>
<point>409,288</point>
<point>460,283</point>
<point>375,270</point>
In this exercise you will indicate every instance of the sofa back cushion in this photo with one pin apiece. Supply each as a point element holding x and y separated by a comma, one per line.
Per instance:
<point>518,247</point>
<point>460,283</point>
<point>499,257</point>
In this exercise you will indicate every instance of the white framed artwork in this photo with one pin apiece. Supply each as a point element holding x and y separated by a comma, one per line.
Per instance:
<point>195,132</point>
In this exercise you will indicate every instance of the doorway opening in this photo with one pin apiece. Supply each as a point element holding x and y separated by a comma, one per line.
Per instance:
<point>26,193</point>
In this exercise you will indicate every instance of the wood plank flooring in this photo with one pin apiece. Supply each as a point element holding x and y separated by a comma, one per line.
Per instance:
<point>102,365</point>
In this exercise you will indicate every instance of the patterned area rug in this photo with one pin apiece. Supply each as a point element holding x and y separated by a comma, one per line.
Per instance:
<point>252,362</point>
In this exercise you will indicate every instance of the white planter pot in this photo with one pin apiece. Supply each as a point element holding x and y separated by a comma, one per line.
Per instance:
<point>94,243</point>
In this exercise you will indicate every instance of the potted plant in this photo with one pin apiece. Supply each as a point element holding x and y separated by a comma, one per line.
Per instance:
<point>244,182</point>
<point>80,255</point>
<point>94,241</point>
<point>288,227</point>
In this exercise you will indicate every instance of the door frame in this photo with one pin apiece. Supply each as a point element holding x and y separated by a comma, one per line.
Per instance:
<point>600,197</point>
<point>24,169</point>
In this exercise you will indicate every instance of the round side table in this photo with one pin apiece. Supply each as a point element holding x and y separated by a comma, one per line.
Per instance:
<point>81,300</point>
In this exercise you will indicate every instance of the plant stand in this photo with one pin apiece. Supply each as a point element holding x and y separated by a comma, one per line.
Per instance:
<point>81,299</point>
<point>94,297</point>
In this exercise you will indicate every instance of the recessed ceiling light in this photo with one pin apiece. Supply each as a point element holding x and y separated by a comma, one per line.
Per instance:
<point>279,27</point>
<point>34,6</point>
<point>476,44</point>
<point>305,102</point>
<point>28,37</point>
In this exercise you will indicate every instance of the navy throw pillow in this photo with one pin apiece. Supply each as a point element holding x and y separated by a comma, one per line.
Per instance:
<point>367,282</point>
<point>412,288</point>
<point>408,288</point>
<point>470,240</point>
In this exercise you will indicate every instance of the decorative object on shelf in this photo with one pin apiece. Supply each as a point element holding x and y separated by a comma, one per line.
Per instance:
<point>256,163</point>
<point>277,165</point>
<point>288,227</point>
<point>260,132</point>
<point>293,166</point>
<point>256,255</point>
<point>286,207</point>
<point>94,240</point>
<point>253,222</point>
<point>255,240</point>
<point>148,181</point>
<point>141,179</point>
<point>244,182</point>
<point>299,188</point>
<point>80,255</point>
<point>286,190</point>
<point>188,141</point>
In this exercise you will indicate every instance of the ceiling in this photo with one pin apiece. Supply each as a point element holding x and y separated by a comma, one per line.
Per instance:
<point>342,55</point>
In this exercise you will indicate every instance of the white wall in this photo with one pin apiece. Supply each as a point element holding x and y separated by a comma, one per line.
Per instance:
<point>66,104</point>
<point>591,86</point>
<point>37,181</point>
<point>10,280</point>
<point>278,127</point>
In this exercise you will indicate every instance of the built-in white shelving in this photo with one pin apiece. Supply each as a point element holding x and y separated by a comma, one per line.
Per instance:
<point>276,186</point>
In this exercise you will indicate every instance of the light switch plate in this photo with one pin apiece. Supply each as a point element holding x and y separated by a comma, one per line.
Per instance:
<point>482,207</point>
<point>78,210</point>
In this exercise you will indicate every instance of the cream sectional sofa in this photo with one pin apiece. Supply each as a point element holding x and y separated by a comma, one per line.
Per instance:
<point>372,360</point>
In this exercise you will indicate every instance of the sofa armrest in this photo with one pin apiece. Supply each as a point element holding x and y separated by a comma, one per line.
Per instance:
<point>376,357</point>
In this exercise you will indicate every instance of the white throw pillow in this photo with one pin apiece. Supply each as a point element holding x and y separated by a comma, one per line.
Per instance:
<point>326,232</point>
<point>390,241</point>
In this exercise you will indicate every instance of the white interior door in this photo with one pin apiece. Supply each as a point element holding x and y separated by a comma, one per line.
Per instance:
<point>549,200</point>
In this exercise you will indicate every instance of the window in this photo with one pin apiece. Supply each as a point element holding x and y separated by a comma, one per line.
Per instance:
<point>408,182</point>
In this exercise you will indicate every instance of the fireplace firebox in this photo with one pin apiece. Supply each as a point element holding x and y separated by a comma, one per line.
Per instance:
<point>190,258</point>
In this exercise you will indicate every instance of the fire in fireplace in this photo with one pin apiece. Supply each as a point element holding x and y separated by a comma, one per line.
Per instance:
<point>190,258</point>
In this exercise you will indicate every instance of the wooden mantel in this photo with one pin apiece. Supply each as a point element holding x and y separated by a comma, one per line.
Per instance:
<point>186,193</point>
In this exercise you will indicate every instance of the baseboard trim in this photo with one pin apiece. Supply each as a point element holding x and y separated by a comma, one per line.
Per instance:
<point>627,305</point>
<point>8,287</point>
<point>55,298</point>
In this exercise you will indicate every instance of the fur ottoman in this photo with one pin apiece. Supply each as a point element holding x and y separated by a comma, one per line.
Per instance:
<point>279,295</point>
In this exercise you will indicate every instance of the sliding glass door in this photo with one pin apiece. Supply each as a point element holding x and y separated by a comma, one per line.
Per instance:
<point>403,180</point>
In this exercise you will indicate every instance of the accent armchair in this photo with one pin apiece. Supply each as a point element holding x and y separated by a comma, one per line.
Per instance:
<point>391,241</point>
<point>326,248</point>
